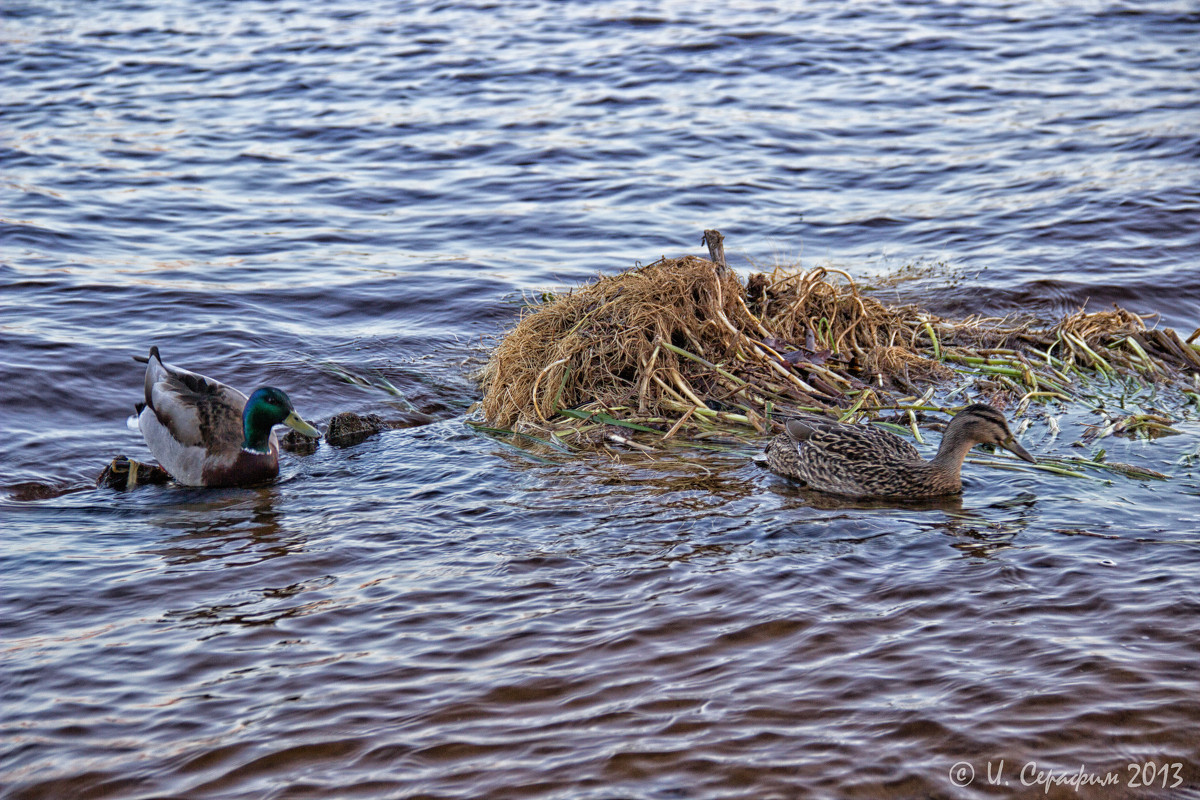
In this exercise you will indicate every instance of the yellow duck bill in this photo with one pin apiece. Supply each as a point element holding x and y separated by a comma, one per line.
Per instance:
<point>294,422</point>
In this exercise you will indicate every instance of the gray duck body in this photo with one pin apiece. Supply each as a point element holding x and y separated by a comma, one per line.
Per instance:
<point>865,461</point>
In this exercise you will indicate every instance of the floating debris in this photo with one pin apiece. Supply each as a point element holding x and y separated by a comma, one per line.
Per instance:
<point>681,351</point>
<point>348,428</point>
<point>123,473</point>
<point>298,444</point>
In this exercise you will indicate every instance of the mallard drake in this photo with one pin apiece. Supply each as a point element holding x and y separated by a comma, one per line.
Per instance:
<point>866,461</point>
<point>208,434</point>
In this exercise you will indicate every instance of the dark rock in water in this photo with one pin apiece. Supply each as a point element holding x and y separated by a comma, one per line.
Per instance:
<point>298,443</point>
<point>124,473</point>
<point>348,428</point>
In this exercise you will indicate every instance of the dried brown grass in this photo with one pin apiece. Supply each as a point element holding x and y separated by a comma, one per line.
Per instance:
<point>601,342</point>
<point>681,342</point>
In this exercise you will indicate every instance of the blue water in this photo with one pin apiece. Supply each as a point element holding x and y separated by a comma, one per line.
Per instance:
<point>282,193</point>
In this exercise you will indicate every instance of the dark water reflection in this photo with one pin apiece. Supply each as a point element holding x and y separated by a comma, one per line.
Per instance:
<point>341,198</point>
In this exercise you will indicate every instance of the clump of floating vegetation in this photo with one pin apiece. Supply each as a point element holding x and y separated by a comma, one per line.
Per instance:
<point>682,351</point>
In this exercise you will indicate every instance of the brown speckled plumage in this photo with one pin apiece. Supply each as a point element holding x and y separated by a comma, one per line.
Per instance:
<point>865,461</point>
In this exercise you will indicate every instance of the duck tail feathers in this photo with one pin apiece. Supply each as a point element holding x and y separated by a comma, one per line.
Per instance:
<point>146,359</point>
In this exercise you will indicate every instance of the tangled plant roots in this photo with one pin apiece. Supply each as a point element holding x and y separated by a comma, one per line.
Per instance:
<point>682,344</point>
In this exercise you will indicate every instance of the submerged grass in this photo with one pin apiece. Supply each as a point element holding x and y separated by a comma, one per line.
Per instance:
<point>681,352</point>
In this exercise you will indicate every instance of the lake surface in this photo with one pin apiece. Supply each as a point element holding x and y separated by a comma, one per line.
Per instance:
<point>289,193</point>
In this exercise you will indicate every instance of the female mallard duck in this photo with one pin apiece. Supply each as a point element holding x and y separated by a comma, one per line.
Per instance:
<point>208,434</point>
<point>865,461</point>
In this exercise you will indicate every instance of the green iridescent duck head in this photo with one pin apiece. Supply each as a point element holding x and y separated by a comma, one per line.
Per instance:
<point>265,409</point>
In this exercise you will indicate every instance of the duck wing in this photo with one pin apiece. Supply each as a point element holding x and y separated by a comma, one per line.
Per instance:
<point>850,440</point>
<point>196,410</point>
<point>858,460</point>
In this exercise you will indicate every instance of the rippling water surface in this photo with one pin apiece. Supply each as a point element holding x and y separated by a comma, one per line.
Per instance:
<point>284,193</point>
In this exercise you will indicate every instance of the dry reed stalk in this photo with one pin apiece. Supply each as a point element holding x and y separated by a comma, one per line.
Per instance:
<point>686,350</point>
